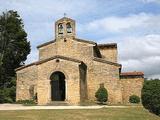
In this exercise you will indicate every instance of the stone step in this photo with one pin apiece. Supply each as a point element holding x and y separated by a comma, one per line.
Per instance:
<point>58,103</point>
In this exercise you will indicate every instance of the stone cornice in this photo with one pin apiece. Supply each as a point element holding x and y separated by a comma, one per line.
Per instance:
<point>48,59</point>
<point>77,39</point>
<point>108,45</point>
<point>105,61</point>
<point>135,73</point>
<point>60,57</point>
<point>85,41</point>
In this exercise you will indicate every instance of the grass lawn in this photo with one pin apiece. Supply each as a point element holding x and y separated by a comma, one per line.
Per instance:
<point>136,113</point>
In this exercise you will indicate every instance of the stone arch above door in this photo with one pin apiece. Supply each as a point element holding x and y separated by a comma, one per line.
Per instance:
<point>60,70</point>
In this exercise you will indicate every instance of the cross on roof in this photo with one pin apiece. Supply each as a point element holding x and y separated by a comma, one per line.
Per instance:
<point>65,14</point>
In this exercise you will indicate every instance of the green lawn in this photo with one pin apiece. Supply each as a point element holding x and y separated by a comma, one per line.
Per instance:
<point>136,113</point>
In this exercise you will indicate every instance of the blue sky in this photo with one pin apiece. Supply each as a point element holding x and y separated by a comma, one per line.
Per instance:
<point>133,24</point>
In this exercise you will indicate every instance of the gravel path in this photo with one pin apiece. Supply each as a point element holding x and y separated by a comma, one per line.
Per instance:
<point>21,107</point>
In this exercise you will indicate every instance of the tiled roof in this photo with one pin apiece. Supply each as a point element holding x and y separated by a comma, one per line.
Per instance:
<point>132,74</point>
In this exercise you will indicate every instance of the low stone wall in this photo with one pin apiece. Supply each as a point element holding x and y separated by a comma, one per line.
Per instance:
<point>131,85</point>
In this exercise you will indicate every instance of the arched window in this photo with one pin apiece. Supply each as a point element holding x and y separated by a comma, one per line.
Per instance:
<point>60,28</point>
<point>69,28</point>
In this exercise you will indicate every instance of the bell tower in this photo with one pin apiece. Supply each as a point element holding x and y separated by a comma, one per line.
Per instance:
<point>65,27</point>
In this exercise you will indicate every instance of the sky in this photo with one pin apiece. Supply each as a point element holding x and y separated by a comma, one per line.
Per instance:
<point>133,24</point>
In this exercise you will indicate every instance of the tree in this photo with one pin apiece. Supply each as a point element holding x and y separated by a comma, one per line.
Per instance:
<point>14,47</point>
<point>102,94</point>
<point>151,96</point>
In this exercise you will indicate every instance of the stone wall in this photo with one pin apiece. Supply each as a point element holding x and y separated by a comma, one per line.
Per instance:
<point>71,72</point>
<point>47,51</point>
<point>131,85</point>
<point>67,47</point>
<point>109,53</point>
<point>109,76</point>
<point>26,86</point>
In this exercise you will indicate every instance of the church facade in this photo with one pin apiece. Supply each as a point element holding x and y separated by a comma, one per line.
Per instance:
<point>71,70</point>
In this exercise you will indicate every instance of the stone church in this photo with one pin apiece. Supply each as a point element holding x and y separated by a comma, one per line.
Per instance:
<point>70,69</point>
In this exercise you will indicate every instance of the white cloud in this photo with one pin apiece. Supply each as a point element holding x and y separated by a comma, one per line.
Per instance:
<point>150,66</point>
<point>32,57</point>
<point>48,7</point>
<point>150,1</point>
<point>133,23</point>
<point>140,47</point>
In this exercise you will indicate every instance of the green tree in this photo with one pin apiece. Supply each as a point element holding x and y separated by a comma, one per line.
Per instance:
<point>102,94</point>
<point>151,96</point>
<point>14,47</point>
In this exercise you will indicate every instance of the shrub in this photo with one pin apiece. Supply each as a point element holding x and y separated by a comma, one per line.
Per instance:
<point>134,99</point>
<point>151,96</point>
<point>102,94</point>
<point>2,96</point>
<point>7,95</point>
<point>26,102</point>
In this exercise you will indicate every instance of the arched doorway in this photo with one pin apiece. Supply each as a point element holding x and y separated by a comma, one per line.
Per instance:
<point>57,86</point>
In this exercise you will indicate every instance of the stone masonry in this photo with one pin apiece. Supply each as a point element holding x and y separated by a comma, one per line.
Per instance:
<point>71,70</point>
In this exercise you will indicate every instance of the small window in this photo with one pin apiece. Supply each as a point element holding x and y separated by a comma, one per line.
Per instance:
<point>60,28</point>
<point>69,28</point>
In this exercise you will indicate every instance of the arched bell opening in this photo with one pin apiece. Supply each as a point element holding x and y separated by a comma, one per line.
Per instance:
<point>60,28</point>
<point>69,28</point>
